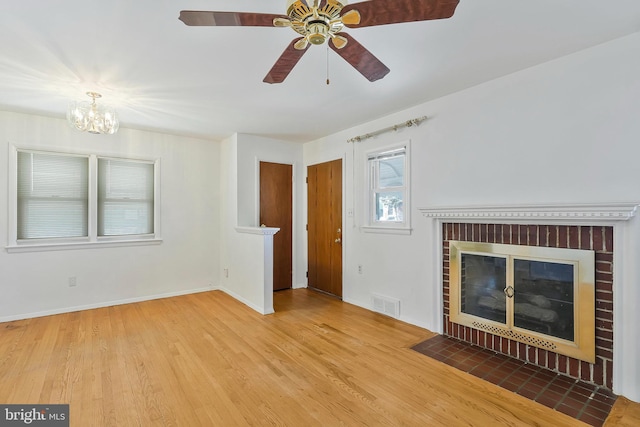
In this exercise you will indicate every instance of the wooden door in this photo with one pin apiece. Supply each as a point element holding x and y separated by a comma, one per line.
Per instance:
<point>324,190</point>
<point>276,186</point>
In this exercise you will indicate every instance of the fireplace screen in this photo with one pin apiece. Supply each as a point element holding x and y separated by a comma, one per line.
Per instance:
<point>540,296</point>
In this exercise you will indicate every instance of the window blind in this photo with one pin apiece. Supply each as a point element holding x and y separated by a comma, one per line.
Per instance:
<point>125,197</point>
<point>52,195</point>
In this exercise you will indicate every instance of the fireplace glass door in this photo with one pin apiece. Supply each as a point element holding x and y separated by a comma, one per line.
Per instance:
<point>482,287</point>
<point>543,297</point>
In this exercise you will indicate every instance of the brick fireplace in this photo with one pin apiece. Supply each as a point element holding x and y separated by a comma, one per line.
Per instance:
<point>596,238</point>
<point>608,229</point>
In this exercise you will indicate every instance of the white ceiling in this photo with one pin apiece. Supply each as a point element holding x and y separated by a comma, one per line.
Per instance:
<point>207,81</point>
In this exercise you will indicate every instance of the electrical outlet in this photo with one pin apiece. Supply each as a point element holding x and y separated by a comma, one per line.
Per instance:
<point>73,281</point>
<point>359,268</point>
<point>226,272</point>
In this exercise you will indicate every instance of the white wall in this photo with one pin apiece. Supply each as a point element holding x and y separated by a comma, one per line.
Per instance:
<point>563,132</point>
<point>252,150</point>
<point>186,261</point>
<point>245,254</point>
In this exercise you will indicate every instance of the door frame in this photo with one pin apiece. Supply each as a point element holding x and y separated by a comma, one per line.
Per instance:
<point>294,234</point>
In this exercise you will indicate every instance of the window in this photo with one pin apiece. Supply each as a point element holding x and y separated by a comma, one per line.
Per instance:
<point>125,197</point>
<point>61,199</point>
<point>388,177</point>
<point>53,196</point>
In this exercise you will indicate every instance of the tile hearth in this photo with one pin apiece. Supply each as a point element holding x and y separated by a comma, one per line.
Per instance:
<point>584,401</point>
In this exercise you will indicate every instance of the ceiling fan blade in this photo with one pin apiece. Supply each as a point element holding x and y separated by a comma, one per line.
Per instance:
<point>285,63</point>
<point>381,12</point>
<point>228,19</point>
<point>361,59</point>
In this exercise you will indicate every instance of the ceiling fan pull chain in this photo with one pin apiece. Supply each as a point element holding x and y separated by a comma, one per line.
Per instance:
<point>328,65</point>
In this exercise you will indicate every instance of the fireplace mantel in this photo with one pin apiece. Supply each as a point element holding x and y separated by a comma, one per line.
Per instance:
<point>576,213</point>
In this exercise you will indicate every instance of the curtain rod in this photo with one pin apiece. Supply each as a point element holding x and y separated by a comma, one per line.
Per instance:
<point>406,124</point>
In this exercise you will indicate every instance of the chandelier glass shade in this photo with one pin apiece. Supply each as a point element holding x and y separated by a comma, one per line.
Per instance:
<point>93,118</point>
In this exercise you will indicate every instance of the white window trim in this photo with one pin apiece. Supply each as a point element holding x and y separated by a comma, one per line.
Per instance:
<point>93,240</point>
<point>391,227</point>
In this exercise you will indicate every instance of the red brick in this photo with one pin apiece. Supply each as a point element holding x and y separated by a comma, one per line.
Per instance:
<point>608,239</point>
<point>585,371</point>
<point>604,296</point>
<point>606,335</point>
<point>553,236</point>
<point>574,367</point>
<point>604,305</point>
<point>551,360</point>
<point>542,357</point>
<point>533,235</point>
<point>484,233</point>
<point>491,233</point>
<point>602,256</point>
<point>605,267</point>
<point>531,355</point>
<point>522,351</point>
<point>513,348</point>
<point>563,238</point>
<point>598,373</point>
<point>605,277</point>
<point>499,237</point>
<point>604,324</point>
<point>604,286</point>
<point>504,346</point>
<point>481,339</point>
<point>475,232</point>
<point>574,237</point>
<point>523,231</point>
<point>562,364</point>
<point>603,315</point>
<point>605,354</point>
<point>604,344</point>
<point>598,238</point>
<point>609,374</point>
<point>496,343</point>
<point>585,237</point>
<point>543,235</point>
<point>513,234</point>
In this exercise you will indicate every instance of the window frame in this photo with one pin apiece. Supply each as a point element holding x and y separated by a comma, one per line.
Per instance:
<point>387,227</point>
<point>15,245</point>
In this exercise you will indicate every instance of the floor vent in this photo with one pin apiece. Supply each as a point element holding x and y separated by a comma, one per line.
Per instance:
<point>386,305</point>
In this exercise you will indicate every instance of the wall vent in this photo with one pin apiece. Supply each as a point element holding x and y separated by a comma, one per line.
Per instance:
<point>386,305</point>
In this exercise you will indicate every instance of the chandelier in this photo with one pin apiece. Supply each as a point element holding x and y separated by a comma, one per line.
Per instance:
<point>91,117</point>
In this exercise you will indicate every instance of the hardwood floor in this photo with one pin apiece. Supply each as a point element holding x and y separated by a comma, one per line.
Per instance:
<point>206,359</point>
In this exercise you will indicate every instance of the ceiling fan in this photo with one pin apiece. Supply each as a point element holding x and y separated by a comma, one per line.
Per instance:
<point>319,20</point>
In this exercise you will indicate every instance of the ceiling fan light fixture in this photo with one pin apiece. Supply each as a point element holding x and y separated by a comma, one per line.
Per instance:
<point>301,44</point>
<point>93,118</point>
<point>318,31</point>
<point>339,42</point>
<point>281,22</point>
<point>352,17</point>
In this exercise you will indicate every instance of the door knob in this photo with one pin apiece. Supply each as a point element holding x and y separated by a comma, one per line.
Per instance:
<point>338,240</point>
